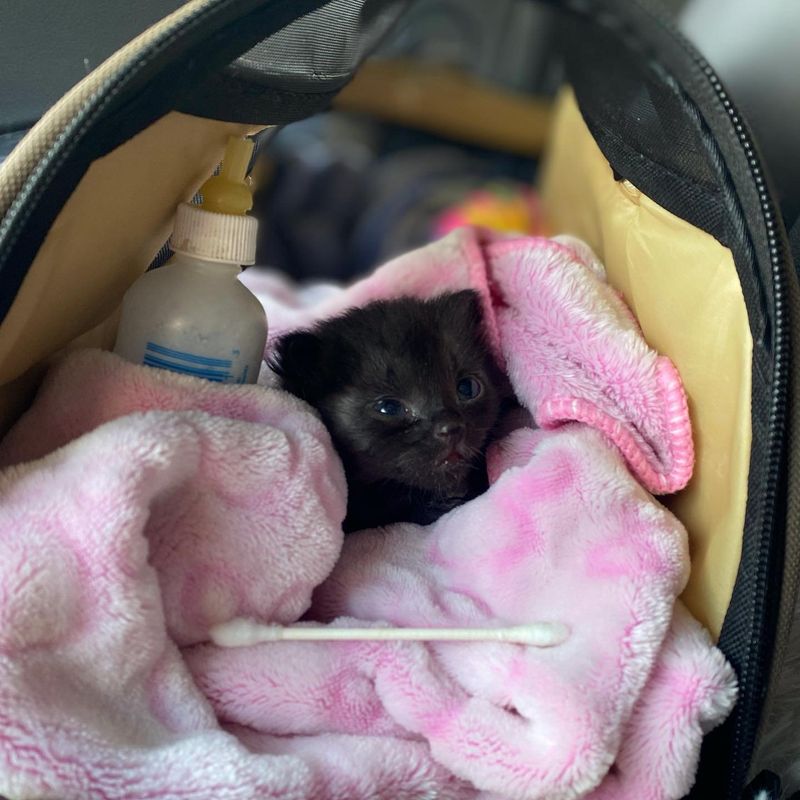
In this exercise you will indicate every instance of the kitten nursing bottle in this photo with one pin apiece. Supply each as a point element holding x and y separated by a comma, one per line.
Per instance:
<point>192,315</point>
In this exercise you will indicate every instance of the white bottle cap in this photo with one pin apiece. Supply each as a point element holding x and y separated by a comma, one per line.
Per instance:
<point>225,238</point>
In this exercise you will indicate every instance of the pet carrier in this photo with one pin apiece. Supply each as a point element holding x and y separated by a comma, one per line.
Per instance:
<point>649,161</point>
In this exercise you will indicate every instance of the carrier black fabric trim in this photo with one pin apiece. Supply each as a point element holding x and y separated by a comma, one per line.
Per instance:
<point>794,243</point>
<point>228,97</point>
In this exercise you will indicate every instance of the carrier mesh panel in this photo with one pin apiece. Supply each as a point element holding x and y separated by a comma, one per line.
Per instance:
<point>305,57</point>
<point>296,71</point>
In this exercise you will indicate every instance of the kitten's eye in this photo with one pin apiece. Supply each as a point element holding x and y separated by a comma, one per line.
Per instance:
<point>389,407</point>
<point>469,388</point>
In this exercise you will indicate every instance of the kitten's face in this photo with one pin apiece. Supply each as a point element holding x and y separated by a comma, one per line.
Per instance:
<point>407,388</point>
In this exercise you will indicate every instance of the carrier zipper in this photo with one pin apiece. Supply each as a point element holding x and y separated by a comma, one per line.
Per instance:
<point>777,411</point>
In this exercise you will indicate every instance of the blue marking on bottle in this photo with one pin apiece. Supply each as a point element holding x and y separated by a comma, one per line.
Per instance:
<point>220,377</point>
<point>225,363</point>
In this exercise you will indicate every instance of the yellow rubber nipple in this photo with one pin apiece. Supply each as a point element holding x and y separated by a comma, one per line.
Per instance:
<point>229,192</point>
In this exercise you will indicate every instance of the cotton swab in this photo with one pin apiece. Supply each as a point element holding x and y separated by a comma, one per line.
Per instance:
<point>244,632</point>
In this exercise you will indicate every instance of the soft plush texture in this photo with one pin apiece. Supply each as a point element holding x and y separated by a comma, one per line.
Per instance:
<point>146,507</point>
<point>267,473</point>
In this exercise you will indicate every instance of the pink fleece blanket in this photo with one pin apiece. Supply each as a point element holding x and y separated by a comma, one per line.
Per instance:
<point>140,508</point>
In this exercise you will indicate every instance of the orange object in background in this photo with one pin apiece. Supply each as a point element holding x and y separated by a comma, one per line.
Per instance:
<point>508,207</point>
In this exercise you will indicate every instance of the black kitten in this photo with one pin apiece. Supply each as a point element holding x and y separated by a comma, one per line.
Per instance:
<point>409,392</point>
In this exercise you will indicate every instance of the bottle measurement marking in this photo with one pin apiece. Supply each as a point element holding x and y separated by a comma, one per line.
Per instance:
<point>226,363</point>
<point>211,369</point>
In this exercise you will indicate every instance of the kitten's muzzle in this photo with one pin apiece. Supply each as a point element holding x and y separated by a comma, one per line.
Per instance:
<point>449,431</point>
<point>448,428</point>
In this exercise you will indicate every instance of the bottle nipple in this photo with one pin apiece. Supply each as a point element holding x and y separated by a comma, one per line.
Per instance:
<point>220,229</point>
<point>229,192</point>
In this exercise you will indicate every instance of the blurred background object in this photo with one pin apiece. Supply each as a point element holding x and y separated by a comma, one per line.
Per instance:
<point>47,47</point>
<point>754,45</point>
<point>446,122</point>
<point>346,192</point>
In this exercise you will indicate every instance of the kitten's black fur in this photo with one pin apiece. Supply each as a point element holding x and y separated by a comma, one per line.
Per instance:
<point>427,355</point>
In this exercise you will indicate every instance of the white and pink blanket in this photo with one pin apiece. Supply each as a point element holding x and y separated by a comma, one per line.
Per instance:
<point>139,508</point>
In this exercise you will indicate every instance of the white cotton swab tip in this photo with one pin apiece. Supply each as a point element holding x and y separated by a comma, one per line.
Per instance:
<point>244,633</point>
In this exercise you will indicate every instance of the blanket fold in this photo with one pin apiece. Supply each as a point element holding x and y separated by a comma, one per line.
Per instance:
<point>267,472</point>
<point>139,508</point>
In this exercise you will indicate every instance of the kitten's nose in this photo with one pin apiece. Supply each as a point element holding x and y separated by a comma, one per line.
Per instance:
<point>448,426</point>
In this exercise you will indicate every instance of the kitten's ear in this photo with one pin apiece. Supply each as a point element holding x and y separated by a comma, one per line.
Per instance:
<point>298,360</point>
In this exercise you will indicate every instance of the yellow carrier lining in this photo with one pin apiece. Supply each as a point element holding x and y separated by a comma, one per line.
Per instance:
<point>682,285</point>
